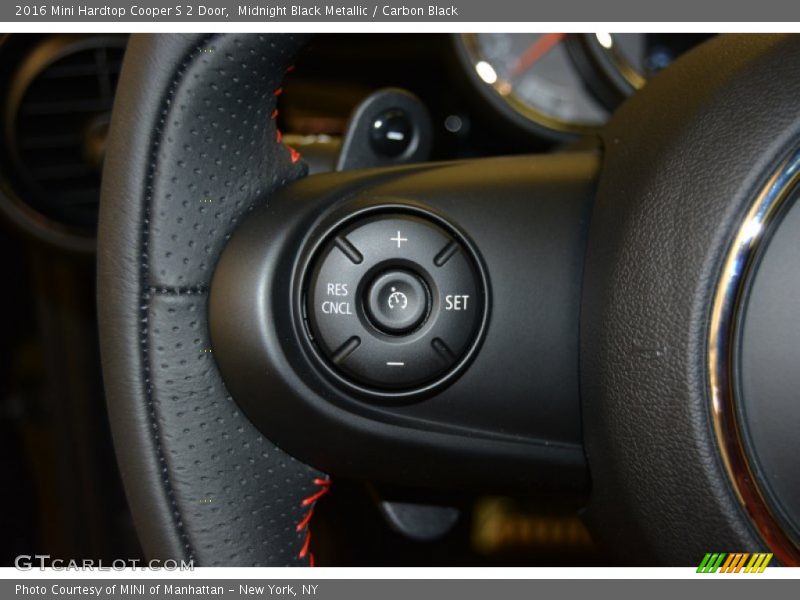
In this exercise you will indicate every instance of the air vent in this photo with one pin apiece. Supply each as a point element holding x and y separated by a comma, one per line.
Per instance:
<point>57,115</point>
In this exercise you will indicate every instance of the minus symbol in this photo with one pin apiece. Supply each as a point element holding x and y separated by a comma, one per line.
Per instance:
<point>395,364</point>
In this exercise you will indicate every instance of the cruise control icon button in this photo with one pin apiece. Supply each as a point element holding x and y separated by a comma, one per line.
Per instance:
<point>397,301</point>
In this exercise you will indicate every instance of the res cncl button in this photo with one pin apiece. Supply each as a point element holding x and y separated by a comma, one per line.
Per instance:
<point>394,301</point>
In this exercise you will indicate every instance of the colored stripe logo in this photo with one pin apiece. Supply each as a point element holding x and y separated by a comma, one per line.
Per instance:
<point>737,562</point>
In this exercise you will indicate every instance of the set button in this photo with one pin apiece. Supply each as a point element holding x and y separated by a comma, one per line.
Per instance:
<point>394,301</point>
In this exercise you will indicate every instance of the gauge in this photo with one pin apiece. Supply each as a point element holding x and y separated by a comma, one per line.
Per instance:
<point>559,84</point>
<point>532,80</point>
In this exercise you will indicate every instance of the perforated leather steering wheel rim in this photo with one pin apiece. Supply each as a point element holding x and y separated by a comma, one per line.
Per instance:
<point>194,146</point>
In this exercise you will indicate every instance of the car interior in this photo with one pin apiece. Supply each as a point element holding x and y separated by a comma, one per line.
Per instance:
<point>474,299</point>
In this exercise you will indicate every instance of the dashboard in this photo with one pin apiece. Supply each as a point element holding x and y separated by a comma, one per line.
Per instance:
<point>487,94</point>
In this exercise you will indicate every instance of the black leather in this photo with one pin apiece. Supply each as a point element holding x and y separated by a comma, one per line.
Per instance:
<point>683,160</point>
<point>193,147</point>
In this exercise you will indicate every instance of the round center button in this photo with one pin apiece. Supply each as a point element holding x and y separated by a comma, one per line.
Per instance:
<point>397,301</point>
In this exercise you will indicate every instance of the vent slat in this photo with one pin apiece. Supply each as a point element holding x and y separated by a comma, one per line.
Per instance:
<point>53,172</point>
<point>60,108</point>
<point>69,71</point>
<point>50,141</point>
<point>82,197</point>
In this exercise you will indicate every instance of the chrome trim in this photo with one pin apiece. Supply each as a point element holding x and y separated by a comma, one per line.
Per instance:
<point>725,311</point>
<point>620,63</point>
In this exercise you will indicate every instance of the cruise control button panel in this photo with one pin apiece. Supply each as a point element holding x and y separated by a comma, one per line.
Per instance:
<point>395,302</point>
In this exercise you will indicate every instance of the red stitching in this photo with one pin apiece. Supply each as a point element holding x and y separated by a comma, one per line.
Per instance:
<point>314,497</point>
<point>294,155</point>
<point>304,522</point>
<point>306,545</point>
<point>310,501</point>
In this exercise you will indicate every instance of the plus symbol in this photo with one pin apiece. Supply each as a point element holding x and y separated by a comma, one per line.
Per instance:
<point>399,239</point>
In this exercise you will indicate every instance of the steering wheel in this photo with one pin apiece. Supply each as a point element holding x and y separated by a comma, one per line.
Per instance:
<point>615,325</point>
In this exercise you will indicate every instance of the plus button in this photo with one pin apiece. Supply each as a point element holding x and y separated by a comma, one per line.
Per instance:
<point>399,239</point>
